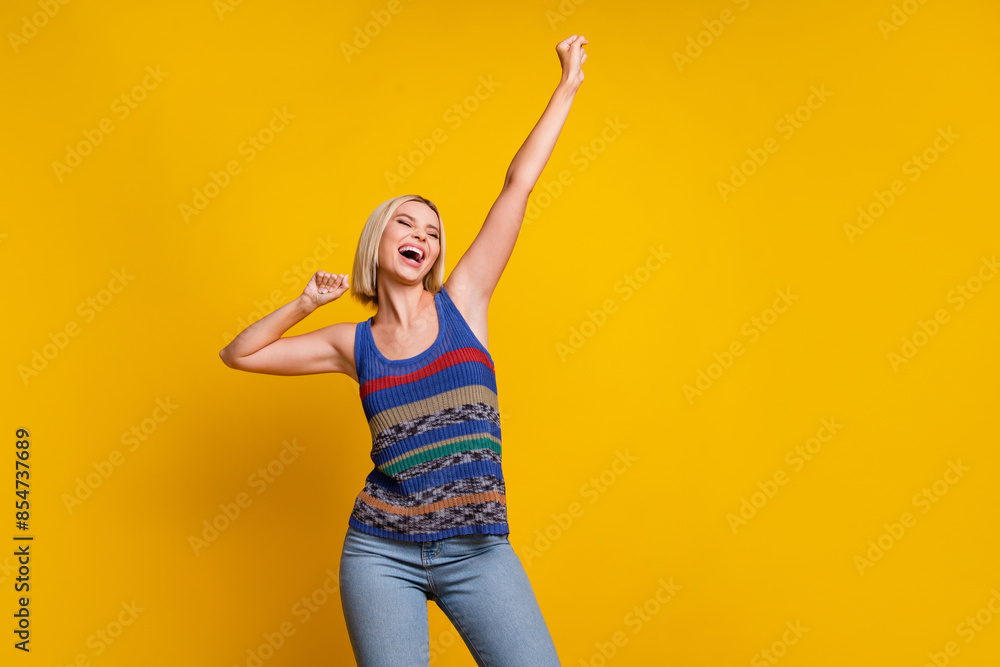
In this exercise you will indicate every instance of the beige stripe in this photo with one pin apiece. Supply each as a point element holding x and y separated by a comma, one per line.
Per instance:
<point>473,393</point>
<point>433,507</point>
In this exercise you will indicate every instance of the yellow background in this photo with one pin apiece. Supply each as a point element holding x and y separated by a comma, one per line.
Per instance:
<point>565,417</point>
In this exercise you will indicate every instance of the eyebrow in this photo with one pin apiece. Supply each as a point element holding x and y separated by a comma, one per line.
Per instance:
<point>407,215</point>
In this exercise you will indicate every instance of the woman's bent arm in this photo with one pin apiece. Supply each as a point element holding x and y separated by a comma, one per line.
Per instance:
<point>260,347</point>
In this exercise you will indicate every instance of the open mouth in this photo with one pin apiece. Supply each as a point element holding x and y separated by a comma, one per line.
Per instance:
<point>412,254</point>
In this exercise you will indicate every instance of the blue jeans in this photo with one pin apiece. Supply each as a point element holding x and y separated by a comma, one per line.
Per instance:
<point>477,580</point>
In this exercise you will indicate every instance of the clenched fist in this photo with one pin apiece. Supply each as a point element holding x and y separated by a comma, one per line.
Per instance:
<point>325,287</point>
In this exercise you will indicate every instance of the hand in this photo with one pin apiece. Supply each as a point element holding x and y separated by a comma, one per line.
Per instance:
<point>325,287</point>
<point>572,57</point>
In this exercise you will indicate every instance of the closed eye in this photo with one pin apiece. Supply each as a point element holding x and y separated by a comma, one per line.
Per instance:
<point>408,225</point>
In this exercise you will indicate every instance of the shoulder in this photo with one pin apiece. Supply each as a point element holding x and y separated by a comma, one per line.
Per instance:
<point>341,332</point>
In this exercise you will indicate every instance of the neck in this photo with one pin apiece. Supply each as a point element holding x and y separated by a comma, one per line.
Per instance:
<point>400,306</point>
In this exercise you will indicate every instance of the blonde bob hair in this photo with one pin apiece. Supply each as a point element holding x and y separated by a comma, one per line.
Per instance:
<point>364,273</point>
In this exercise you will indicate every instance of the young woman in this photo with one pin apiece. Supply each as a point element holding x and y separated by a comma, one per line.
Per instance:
<point>431,520</point>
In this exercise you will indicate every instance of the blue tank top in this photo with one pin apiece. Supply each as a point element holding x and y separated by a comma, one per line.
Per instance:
<point>435,426</point>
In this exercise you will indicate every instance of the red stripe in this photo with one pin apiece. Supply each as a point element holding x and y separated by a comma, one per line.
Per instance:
<point>456,356</point>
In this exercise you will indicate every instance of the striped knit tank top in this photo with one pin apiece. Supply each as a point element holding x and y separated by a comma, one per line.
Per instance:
<point>435,425</point>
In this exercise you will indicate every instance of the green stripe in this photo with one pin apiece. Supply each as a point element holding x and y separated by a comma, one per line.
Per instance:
<point>438,452</point>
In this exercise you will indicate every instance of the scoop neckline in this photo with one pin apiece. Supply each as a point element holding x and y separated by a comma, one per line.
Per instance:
<point>409,360</point>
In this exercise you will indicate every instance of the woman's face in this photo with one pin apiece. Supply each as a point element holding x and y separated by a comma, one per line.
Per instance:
<point>415,231</point>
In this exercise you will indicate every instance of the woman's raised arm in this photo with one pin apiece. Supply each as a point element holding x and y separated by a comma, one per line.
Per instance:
<point>477,273</point>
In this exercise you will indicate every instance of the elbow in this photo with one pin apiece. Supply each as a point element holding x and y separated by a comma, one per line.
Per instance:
<point>517,182</point>
<point>227,359</point>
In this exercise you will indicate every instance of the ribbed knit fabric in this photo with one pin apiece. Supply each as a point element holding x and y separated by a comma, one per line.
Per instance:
<point>435,425</point>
